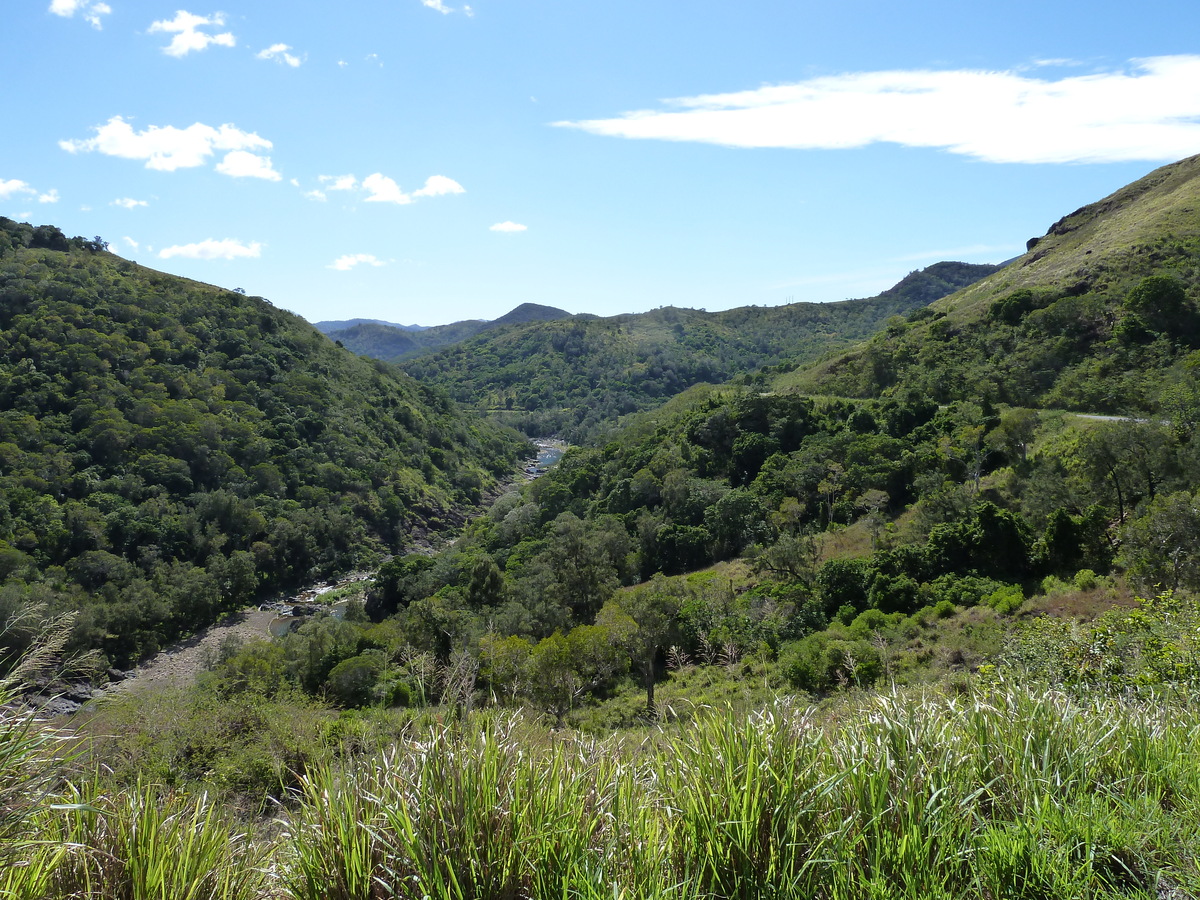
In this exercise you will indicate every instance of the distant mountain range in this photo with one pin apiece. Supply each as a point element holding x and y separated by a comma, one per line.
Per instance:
<point>343,324</point>
<point>384,340</point>
<point>578,375</point>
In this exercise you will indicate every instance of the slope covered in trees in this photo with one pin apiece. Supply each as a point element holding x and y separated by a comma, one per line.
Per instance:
<point>1100,315</point>
<point>169,449</point>
<point>393,343</point>
<point>860,524</point>
<point>578,376</point>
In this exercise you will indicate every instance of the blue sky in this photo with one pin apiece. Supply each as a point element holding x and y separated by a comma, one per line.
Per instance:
<point>423,161</point>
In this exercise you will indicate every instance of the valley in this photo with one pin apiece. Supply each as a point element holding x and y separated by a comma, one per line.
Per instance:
<point>883,597</point>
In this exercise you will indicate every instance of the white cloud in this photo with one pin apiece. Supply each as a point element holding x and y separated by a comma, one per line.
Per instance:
<point>439,185</point>
<point>342,64</point>
<point>188,36</point>
<point>128,203</point>
<point>210,249</point>
<point>242,164</point>
<point>14,186</point>
<point>166,148</point>
<point>279,53</point>
<point>508,227</point>
<point>348,262</point>
<point>338,182</point>
<point>1150,112</point>
<point>51,196</point>
<point>94,12</point>
<point>381,189</point>
<point>91,11</point>
<point>438,5</point>
<point>131,243</point>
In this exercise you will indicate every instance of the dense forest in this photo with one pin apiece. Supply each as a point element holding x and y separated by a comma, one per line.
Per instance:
<point>393,344</point>
<point>575,378</point>
<point>171,450</point>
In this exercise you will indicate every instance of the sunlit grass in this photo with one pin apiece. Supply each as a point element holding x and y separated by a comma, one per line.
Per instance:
<point>996,792</point>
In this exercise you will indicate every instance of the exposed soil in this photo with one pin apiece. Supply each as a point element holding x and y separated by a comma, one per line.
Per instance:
<point>180,664</point>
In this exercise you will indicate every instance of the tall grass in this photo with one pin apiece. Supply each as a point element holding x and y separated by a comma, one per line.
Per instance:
<point>1003,794</point>
<point>149,844</point>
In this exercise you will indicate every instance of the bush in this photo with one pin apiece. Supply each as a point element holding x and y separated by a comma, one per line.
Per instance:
<point>352,681</point>
<point>1006,600</point>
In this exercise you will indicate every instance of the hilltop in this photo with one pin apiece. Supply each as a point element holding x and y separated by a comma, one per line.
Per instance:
<point>392,343</point>
<point>170,449</point>
<point>1100,315</point>
<point>576,377</point>
<point>327,326</point>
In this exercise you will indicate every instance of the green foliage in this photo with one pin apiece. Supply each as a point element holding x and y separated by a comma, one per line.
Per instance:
<point>170,450</point>
<point>1152,647</point>
<point>1158,548</point>
<point>1095,318</point>
<point>575,377</point>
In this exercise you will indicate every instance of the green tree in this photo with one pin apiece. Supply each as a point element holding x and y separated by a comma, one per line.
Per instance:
<point>653,607</point>
<point>1159,547</point>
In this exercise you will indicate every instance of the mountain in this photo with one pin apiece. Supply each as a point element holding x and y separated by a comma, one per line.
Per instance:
<point>342,324</point>
<point>576,377</point>
<point>376,340</point>
<point>393,343</point>
<point>530,312</point>
<point>170,449</point>
<point>1100,315</point>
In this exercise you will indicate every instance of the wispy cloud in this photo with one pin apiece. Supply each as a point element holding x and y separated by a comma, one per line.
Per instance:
<point>212,249</point>
<point>437,5</point>
<point>1151,111</point>
<point>188,36</point>
<point>279,53</point>
<point>166,148</point>
<point>508,227</point>
<point>128,203</point>
<point>348,262</point>
<point>338,182</point>
<point>51,196</point>
<point>91,11</point>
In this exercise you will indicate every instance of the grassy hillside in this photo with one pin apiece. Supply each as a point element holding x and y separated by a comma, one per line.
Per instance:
<point>1099,315</point>
<point>170,449</point>
<point>578,376</point>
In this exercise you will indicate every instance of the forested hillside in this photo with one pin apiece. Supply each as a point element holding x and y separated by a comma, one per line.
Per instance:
<point>1100,315</point>
<point>169,449</point>
<point>576,377</point>
<point>392,344</point>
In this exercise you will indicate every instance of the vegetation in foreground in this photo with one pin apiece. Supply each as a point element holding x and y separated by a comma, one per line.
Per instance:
<point>1001,791</point>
